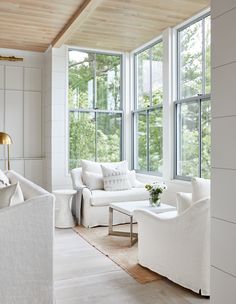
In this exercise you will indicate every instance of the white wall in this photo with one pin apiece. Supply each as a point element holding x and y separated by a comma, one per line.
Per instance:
<point>21,112</point>
<point>223,209</point>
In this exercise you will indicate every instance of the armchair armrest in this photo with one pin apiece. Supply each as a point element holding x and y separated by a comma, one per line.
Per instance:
<point>28,188</point>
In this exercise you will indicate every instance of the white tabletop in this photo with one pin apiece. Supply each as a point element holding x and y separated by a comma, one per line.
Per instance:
<point>129,207</point>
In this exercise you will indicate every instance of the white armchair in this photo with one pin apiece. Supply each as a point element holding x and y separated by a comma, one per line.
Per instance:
<point>26,246</point>
<point>177,246</point>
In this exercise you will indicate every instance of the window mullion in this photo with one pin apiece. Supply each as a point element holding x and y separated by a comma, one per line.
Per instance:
<point>203,57</point>
<point>200,137</point>
<point>148,134</point>
<point>96,127</point>
<point>95,82</point>
<point>150,87</point>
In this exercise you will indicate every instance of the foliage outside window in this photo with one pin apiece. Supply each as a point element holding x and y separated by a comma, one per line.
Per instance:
<point>193,107</point>
<point>147,116</point>
<point>95,107</point>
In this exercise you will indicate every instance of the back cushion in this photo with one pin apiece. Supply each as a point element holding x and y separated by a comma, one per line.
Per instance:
<point>93,181</point>
<point>115,179</point>
<point>201,188</point>
<point>92,173</point>
<point>184,201</point>
<point>10,195</point>
<point>4,180</point>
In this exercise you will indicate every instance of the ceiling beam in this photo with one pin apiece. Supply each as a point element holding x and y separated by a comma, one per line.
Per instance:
<point>78,18</point>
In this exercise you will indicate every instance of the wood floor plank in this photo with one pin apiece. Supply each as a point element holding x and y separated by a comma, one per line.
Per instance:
<point>84,275</point>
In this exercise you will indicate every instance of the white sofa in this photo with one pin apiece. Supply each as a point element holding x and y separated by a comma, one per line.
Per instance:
<point>26,246</point>
<point>177,245</point>
<point>91,206</point>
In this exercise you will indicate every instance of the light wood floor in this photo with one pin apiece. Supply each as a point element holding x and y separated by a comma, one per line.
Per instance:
<point>83,275</point>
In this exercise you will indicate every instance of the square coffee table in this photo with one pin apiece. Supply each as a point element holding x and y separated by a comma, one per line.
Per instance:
<point>128,209</point>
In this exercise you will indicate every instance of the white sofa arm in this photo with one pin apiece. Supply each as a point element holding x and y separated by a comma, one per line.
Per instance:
<point>87,194</point>
<point>76,175</point>
<point>26,255</point>
<point>28,188</point>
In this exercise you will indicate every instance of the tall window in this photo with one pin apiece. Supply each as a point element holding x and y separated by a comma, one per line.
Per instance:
<point>147,115</point>
<point>193,105</point>
<point>95,107</point>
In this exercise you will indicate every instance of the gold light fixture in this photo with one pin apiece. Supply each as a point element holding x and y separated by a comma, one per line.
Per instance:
<point>5,139</point>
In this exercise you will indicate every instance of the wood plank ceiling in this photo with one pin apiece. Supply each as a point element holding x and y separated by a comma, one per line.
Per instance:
<point>120,25</point>
<point>33,24</point>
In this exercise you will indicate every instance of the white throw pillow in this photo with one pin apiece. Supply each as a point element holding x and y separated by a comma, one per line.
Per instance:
<point>18,196</point>
<point>115,179</point>
<point>132,178</point>
<point>94,167</point>
<point>90,166</point>
<point>201,188</point>
<point>10,195</point>
<point>93,181</point>
<point>184,201</point>
<point>4,180</point>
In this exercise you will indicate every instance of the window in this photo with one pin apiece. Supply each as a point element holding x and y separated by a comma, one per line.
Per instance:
<point>95,107</point>
<point>147,116</point>
<point>193,105</point>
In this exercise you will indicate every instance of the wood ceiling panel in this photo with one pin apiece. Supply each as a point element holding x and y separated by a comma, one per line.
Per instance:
<point>33,24</point>
<point>107,24</point>
<point>124,25</point>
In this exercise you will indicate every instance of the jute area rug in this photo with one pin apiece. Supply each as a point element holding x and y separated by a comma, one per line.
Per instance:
<point>118,250</point>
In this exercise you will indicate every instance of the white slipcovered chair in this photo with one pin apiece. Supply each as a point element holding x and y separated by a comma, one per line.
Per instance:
<point>176,244</point>
<point>26,246</point>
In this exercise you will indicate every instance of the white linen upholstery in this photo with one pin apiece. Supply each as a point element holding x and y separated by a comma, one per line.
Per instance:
<point>94,181</point>
<point>28,188</point>
<point>177,246</point>
<point>115,179</point>
<point>95,203</point>
<point>4,180</point>
<point>184,201</point>
<point>26,242</point>
<point>6,195</point>
<point>104,198</point>
<point>201,188</point>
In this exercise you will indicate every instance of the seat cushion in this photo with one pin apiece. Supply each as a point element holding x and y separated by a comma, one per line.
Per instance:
<point>104,198</point>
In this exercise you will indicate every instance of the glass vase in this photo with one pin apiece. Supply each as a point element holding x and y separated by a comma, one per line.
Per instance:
<point>154,202</point>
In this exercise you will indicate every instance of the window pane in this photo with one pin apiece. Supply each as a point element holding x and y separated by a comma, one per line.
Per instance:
<point>142,141</point>
<point>190,60</point>
<point>208,55</point>
<point>143,79</point>
<point>155,141</point>
<point>108,137</point>
<point>108,81</point>
<point>157,78</point>
<point>206,139</point>
<point>82,137</point>
<point>80,79</point>
<point>188,139</point>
